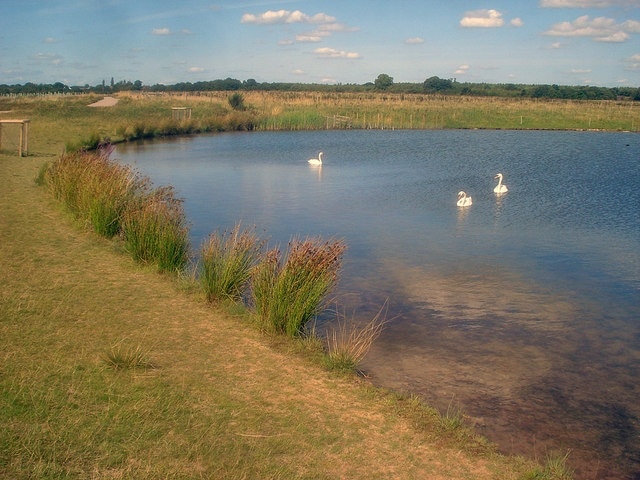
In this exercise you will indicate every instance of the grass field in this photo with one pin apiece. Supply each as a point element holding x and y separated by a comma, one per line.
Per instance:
<point>111,370</point>
<point>145,115</point>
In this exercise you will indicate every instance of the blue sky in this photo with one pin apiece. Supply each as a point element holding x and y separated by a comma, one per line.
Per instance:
<point>78,42</point>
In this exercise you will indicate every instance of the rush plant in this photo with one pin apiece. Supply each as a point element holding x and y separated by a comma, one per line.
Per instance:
<point>155,230</point>
<point>226,263</point>
<point>93,187</point>
<point>290,291</point>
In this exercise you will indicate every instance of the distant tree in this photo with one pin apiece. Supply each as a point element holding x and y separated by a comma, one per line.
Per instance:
<point>250,84</point>
<point>437,85</point>
<point>383,82</point>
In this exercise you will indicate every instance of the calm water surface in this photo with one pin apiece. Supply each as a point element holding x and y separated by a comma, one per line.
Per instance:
<point>523,309</point>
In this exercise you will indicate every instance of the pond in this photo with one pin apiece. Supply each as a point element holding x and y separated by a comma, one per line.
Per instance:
<point>522,310</point>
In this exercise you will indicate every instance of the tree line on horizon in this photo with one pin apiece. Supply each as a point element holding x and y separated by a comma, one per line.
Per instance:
<point>383,83</point>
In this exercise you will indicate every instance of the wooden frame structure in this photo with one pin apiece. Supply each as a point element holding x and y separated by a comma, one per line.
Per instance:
<point>23,145</point>
<point>181,113</point>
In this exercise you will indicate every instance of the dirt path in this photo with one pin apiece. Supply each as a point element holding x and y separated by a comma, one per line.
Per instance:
<point>105,102</point>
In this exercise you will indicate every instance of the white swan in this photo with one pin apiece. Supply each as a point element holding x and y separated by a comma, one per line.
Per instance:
<point>464,200</point>
<point>316,161</point>
<point>500,188</point>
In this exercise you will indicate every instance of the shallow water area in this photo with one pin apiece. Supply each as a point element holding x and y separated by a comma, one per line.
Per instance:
<point>522,308</point>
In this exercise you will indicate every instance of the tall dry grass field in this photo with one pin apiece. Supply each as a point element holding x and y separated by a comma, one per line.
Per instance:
<point>143,115</point>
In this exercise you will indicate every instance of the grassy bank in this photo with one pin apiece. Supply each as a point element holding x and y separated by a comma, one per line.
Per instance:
<point>147,116</point>
<point>109,370</point>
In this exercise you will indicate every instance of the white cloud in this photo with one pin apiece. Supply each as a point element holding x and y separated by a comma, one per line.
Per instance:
<point>48,58</point>
<point>196,69</point>
<point>633,62</point>
<point>161,31</point>
<point>326,52</point>
<point>631,26</point>
<point>336,27</point>
<point>285,42</point>
<point>285,16</point>
<point>587,3</point>
<point>579,71</point>
<point>615,37</point>
<point>298,71</point>
<point>555,45</point>
<point>517,22</point>
<point>414,41</point>
<point>482,18</point>
<point>50,40</point>
<point>310,38</point>
<point>600,29</point>
<point>462,70</point>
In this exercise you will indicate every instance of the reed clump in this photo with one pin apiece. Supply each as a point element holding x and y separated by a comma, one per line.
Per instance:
<point>93,188</point>
<point>115,200</point>
<point>155,230</point>
<point>288,292</point>
<point>226,262</point>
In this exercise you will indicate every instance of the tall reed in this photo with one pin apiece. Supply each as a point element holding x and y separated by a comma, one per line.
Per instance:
<point>93,187</point>
<point>155,230</point>
<point>289,292</point>
<point>226,262</point>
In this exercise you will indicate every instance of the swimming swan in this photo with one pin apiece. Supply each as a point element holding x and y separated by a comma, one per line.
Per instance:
<point>464,200</point>
<point>316,161</point>
<point>500,188</point>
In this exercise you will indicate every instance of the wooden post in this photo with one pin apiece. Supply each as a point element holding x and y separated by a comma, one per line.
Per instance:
<point>23,146</point>
<point>26,135</point>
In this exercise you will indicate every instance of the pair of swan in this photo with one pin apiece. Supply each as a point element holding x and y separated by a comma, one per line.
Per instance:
<point>465,200</point>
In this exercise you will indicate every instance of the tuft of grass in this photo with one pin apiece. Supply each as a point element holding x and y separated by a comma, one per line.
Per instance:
<point>121,357</point>
<point>226,262</point>
<point>155,230</point>
<point>288,293</point>
<point>554,468</point>
<point>453,418</point>
<point>348,342</point>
